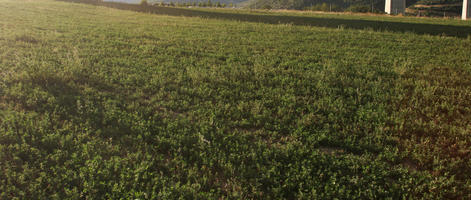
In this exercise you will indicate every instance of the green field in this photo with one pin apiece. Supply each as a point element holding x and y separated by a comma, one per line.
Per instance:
<point>105,103</point>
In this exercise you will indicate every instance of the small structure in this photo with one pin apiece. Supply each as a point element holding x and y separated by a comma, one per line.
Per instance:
<point>466,10</point>
<point>395,6</point>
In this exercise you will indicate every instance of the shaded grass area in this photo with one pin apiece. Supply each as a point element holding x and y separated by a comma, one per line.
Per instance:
<point>462,31</point>
<point>104,103</point>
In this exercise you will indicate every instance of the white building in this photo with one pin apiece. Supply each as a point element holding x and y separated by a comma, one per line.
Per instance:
<point>466,10</point>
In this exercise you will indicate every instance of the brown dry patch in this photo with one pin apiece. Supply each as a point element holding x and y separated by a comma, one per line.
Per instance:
<point>409,165</point>
<point>5,75</point>
<point>3,104</point>
<point>283,141</point>
<point>27,39</point>
<point>230,186</point>
<point>333,151</point>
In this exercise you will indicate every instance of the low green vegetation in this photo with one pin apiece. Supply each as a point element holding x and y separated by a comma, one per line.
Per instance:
<point>105,103</point>
<point>434,8</point>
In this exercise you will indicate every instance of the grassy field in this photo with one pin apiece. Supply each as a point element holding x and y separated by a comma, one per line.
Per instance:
<point>105,103</point>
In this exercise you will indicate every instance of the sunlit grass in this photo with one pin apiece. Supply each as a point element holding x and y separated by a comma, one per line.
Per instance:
<point>100,103</point>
